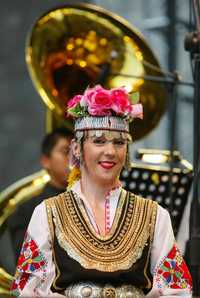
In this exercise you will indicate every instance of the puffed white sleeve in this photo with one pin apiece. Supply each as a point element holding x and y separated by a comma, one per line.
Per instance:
<point>35,270</point>
<point>171,277</point>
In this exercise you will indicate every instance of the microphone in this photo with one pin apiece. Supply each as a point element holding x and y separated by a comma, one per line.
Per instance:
<point>105,69</point>
<point>104,73</point>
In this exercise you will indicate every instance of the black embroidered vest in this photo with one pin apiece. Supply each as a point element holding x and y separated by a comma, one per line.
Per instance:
<point>122,257</point>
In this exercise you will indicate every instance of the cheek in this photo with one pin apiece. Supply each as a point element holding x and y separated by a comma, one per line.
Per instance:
<point>90,157</point>
<point>85,149</point>
<point>91,154</point>
<point>122,156</point>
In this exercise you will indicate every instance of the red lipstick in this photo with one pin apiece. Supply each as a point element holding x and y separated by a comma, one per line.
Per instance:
<point>107,164</point>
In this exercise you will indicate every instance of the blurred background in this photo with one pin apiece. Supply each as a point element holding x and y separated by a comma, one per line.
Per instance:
<point>163,23</point>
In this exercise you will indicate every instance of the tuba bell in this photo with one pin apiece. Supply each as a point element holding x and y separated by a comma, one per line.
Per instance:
<point>68,49</point>
<point>76,46</point>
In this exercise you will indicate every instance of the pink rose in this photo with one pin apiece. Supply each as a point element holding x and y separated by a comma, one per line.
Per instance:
<point>99,101</point>
<point>137,111</point>
<point>121,103</point>
<point>74,101</point>
<point>89,92</point>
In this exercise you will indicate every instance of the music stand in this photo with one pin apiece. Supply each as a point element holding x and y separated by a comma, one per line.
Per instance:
<point>153,181</point>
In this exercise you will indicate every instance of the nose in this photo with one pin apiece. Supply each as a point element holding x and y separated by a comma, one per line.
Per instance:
<point>110,149</point>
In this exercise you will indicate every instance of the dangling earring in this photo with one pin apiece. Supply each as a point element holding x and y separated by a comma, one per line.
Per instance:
<point>81,153</point>
<point>128,162</point>
<point>78,161</point>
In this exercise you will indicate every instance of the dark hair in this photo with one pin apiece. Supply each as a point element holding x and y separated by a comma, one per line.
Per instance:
<point>51,139</point>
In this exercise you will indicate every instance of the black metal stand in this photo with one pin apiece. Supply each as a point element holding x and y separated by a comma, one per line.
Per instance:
<point>192,44</point>
<point>194,240</point>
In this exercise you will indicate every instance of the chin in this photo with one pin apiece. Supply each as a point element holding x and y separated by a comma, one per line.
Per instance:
<point>107,179</point>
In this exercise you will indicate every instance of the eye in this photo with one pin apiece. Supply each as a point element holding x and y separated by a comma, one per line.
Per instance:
<point>120,142</point>
<point>99,141</point>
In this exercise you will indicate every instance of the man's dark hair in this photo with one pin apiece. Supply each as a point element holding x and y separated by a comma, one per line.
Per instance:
<point>51,139</point>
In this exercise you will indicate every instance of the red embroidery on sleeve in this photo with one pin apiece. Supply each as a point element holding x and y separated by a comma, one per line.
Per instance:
<point>30,260</point>
<point>172,272</point>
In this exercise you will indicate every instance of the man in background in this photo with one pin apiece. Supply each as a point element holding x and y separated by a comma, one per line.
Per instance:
<point>54,159</point>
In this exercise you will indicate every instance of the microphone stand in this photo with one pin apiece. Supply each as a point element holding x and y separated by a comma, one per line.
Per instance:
<point>171,80</point>
<point>174,79</point>
<point>192,44</point>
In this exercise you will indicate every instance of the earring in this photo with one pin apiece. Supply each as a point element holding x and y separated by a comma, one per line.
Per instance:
<point>128,162</point>
<point>77,157</point>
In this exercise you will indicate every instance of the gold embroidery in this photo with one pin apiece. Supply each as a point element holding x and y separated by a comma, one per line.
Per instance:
<point>133,227</point>
<point>152,228</point>
<point>115,221</point>
<point>49,205</point>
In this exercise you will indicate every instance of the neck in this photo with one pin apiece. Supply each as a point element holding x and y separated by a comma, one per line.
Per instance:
<point>95,192</point>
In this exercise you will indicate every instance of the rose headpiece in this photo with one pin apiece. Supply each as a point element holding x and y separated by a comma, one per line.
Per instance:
<point>100,102</point>
<point>101,109</point>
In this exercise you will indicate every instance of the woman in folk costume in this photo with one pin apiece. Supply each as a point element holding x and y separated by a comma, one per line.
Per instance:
<point>96,239</point>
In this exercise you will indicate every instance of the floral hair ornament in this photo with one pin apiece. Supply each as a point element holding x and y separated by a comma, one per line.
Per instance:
<point>101,109</point>
<point>98,101</point>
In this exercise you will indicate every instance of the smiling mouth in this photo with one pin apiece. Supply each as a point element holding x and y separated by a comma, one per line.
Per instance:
<point>107,164</point>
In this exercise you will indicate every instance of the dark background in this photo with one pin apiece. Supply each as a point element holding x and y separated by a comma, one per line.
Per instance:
<point>22,121</point>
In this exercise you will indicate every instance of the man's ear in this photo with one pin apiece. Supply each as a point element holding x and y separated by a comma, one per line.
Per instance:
<point>75,146</point>
<point>45,162</point>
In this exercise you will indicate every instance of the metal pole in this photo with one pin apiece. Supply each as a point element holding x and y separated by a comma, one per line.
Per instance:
<point>172,111</point>
<point>194,240</point>
<point>192,44</point>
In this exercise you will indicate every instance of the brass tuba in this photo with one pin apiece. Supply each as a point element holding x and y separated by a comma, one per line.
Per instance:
<point>73,47</point>
<point>68,49</point>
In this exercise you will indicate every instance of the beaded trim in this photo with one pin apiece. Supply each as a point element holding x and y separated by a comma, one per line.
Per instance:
<point>108,134</point>
<point>106,122</point>
<point>121,248</point>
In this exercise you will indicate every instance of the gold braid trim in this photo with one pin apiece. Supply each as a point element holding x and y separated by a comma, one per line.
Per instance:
<point>132,229</point>
<point>49,208</point>
<point>152,229</point>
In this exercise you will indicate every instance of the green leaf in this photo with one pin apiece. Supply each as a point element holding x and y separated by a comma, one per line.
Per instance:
<point>76,111</point>
<point>134,97</point>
